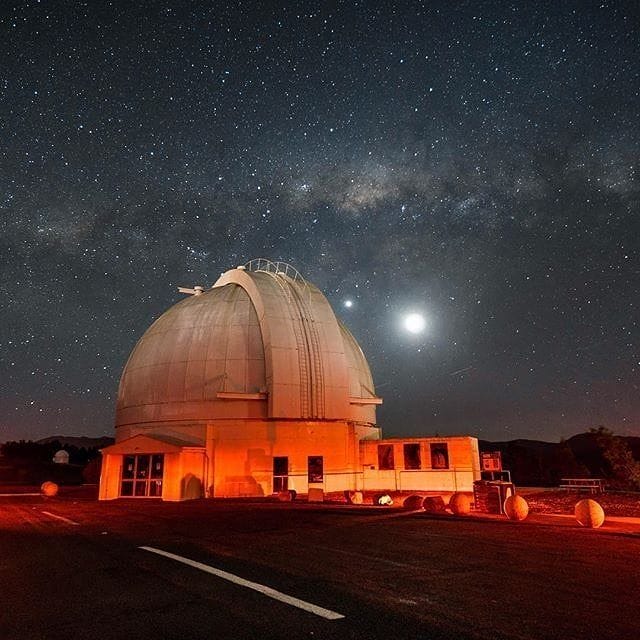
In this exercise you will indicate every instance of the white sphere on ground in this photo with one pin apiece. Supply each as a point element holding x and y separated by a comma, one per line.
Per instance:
<point>516,508</point>
<point>589,513</point>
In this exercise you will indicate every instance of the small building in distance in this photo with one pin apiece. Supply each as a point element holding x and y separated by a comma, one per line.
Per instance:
<point>255,387</point>
<point>61,457</point>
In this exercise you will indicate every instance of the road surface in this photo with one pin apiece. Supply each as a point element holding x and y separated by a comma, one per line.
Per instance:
<point>75,568</point>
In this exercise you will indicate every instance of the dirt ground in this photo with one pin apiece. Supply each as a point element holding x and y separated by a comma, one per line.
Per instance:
<point>551,501</point>
<point>563,502</point>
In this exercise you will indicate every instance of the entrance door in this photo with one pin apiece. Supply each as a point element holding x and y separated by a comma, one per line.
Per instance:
<point>280,474</point>
<point>142,476</point>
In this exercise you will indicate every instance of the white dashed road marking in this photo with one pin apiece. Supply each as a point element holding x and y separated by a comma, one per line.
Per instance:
<point>260,588</point>
<point>18,495</point>
<point>57,517</point>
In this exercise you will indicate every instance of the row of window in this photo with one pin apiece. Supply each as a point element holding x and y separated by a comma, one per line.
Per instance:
<point>439,454</point>
<point>412,456</point>
<point>315,467</point>
<point>142,474</point>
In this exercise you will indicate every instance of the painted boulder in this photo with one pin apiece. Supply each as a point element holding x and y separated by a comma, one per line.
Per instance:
<point>460,504</point>
<point>516,508</point>
<point>413,503</point>
<point>434,504</point>
<point>49,489</point>
<point>589,513</point>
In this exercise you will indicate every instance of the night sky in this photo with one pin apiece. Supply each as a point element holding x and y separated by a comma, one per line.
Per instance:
<point>472,162</point>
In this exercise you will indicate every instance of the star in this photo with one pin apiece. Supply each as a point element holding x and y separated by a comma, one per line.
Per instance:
<point>385,171</point>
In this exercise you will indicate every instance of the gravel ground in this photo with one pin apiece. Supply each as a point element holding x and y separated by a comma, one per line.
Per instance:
<point>540,501</point>
<point>559,501</point>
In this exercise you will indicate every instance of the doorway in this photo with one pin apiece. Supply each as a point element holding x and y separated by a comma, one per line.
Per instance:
<point>280,474</point>
<point>142,476</point>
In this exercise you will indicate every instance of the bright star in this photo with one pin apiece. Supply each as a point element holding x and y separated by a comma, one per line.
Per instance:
<point>348,303</point>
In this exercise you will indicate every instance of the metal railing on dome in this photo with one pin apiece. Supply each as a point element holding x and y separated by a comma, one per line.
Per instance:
<point>276,268</point>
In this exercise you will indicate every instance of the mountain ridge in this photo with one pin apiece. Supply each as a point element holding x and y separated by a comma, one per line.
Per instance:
<point>537,462</point>
<point>79,441</point>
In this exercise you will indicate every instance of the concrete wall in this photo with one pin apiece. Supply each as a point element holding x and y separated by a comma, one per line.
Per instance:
<point>184,470</point>
<point>110,473</point>
<point>238,460</point>
<point>243,455</point>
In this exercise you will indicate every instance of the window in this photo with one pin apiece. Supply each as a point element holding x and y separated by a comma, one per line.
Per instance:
<point>412,455</point>
<point>439,456</point>
<point>315,466</point>
<point>385,457</point>
<point>142,476</point>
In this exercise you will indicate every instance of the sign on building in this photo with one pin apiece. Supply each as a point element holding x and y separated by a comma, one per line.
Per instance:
<point>491,461</point>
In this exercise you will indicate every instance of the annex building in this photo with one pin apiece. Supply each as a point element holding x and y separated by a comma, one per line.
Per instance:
<point>255,387</point>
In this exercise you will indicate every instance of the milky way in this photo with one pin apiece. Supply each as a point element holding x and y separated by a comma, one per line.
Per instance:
<point>473,162</point>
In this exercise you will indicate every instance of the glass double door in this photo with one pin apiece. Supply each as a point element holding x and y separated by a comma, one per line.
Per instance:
<point>142,475</point>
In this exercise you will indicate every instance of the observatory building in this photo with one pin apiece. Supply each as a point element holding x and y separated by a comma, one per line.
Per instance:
<point>255,387</point>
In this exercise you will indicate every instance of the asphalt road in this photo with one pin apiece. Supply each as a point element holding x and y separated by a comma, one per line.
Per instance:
<point>389,573</point>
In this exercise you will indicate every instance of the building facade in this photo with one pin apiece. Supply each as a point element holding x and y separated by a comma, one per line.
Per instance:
<point>254,387</point>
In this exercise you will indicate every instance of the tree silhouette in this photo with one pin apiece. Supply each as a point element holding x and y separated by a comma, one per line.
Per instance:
<point>624,469</point>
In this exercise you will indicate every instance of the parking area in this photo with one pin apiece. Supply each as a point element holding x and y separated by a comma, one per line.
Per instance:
<point>78,568</point>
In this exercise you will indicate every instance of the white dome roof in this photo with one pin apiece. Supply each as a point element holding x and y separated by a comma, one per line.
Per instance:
<point>260,343</point>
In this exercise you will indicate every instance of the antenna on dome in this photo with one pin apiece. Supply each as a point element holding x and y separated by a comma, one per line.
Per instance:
<point>196,291</point>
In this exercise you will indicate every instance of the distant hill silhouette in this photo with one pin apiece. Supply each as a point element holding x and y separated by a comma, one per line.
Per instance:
<point>79,441</point>
<point>28,462</point>
<point>531,462</point>
<point>537,463</point>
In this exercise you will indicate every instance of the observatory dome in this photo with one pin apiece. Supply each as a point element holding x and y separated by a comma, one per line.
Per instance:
<point>261,344</point>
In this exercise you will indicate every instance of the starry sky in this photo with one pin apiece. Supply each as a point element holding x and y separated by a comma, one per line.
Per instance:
<point>473,162</point>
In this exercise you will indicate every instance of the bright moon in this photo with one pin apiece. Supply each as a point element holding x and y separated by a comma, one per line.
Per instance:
<point>415,323</point>
<point>348,304</point>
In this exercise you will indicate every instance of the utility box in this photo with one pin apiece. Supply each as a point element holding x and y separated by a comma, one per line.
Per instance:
<point>315,494</point>
<point>489,495</point>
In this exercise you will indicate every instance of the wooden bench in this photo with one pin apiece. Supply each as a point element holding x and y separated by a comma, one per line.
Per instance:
<point>592,485</point>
